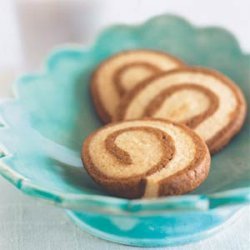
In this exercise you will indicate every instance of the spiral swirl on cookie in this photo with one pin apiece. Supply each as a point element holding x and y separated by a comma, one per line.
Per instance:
<point>146,158</point>
<point>122,72</point>
<point>203,99</point>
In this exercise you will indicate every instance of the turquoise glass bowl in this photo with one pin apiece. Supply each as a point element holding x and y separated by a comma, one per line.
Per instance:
<point>42,130</point>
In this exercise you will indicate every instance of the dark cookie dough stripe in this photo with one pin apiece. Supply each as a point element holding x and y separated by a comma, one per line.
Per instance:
<point>118,75</point>
<point>193,122</point>
<point>167,147</point>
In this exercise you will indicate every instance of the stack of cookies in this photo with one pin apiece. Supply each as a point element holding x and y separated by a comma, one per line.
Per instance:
<point>165,119</point>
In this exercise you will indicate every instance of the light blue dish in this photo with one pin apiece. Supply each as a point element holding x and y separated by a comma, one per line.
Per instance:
<point>44,126</point>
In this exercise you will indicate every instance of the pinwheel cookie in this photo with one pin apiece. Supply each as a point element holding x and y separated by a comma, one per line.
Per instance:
<point>122,72</point>
<point>146,158</point>
<point>203,99</point>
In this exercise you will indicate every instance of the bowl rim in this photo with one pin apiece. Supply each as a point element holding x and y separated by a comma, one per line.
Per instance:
<point>121,206</point>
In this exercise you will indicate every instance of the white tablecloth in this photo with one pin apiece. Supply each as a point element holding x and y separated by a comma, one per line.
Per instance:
<point>26,224</point>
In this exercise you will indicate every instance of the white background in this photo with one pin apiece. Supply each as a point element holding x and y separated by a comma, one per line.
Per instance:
<point>26,224</point>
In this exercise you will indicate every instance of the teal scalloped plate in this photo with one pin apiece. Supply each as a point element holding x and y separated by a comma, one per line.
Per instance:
<point>44,126</point>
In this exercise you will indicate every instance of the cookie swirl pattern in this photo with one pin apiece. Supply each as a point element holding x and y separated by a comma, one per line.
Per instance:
<point>146,158</point>
<point>203,99</point>
<point>122,72</point>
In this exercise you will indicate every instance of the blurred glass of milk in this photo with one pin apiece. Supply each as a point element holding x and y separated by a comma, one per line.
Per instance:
<point>46,24</point>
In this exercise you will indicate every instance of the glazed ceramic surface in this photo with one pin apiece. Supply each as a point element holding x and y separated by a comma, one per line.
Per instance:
<point>44,126</point>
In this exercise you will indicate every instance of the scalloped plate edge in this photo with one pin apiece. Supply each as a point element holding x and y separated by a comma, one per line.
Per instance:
<point>195,202</point>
